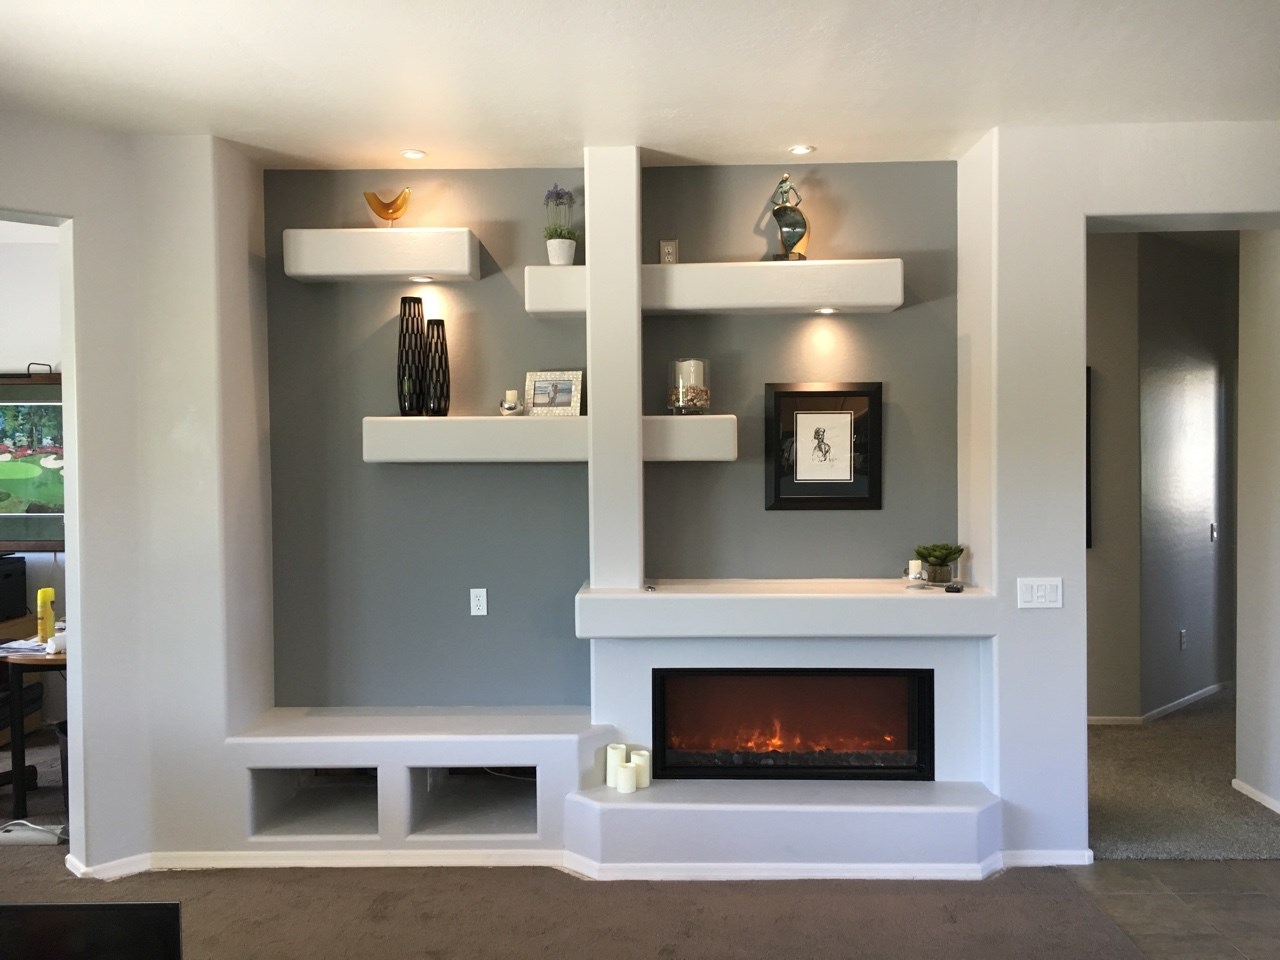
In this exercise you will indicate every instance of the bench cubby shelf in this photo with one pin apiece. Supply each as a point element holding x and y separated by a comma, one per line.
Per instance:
<point>386,254</point>
<point>537,439</point>
<point>771,287</point>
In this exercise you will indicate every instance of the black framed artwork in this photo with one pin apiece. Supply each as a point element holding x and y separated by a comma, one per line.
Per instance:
<point>823,446</point>
<point>31,460</point>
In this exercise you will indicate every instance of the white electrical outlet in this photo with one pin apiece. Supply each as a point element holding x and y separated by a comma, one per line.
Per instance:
<point>1039,592</point>
<point>479,602</point>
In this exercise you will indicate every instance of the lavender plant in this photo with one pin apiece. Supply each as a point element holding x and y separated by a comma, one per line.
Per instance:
<point>559,205</point>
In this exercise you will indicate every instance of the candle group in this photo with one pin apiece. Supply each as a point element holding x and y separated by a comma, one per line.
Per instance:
<point>627,776</point>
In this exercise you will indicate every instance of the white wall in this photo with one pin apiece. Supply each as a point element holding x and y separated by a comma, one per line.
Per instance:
<point>1114,611</point>
<point>57,172</point>
<point>1047,182</point>
<point>166,540</point>
<point>1258,544</point>
<point>30,323</point>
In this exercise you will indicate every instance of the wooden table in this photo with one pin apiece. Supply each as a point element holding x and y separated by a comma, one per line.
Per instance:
<point>20,664</point>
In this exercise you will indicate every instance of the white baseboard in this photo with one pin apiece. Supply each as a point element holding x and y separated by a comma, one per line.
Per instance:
<point>1048,858</point>
<point>112,869</point>
<point>573,863</point>
<point>1186,701</point>
<point>1271,803</point>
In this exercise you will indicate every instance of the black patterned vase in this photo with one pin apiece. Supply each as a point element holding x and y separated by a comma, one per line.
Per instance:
<point>437,381</point>
<point>411,359</point>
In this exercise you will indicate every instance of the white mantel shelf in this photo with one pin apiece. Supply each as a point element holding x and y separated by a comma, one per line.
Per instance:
<point>775,287</point>
<point>382,253</point>
<point>537,439</point>
<point>783,608</point>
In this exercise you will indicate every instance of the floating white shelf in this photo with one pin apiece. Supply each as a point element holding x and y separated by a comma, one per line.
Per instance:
<point>386,253</point>
<point>537,439</point>
<point>784,608</point>
<point>800,286</point>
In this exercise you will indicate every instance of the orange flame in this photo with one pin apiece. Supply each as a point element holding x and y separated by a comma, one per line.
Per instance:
<point>774,738</point>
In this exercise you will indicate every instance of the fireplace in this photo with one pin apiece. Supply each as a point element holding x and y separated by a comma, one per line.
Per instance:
<point>805,724</point>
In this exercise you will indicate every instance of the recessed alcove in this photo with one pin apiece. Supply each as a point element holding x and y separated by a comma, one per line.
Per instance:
<point>313,802</point>
<point>473,801</point>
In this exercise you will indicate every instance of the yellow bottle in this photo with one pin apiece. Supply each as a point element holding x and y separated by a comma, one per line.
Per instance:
<point>44,614</point>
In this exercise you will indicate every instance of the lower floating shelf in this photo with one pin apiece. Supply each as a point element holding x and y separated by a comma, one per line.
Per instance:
<point>538,439</point>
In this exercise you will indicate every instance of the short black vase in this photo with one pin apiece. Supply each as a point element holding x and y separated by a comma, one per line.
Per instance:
<point>411,359</point>
<point>437,381</point>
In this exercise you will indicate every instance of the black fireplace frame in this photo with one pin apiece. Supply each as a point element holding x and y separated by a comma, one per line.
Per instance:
<point>920,729</point>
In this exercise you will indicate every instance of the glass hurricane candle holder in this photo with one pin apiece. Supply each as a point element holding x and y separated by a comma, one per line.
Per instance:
<point>689,386</point>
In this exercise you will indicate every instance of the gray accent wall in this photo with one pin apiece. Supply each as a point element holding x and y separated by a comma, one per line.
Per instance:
<point>373,562</point>
<point>708,519</point>
<point>1188,317</point>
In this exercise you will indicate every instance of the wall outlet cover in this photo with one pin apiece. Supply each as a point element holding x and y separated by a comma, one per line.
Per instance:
<point>1039,592</point>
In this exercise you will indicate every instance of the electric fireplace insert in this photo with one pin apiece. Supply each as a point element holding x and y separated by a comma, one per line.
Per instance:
<point>807,724</point>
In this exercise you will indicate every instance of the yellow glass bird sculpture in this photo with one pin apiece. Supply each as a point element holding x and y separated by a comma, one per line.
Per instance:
<point>388,210</point>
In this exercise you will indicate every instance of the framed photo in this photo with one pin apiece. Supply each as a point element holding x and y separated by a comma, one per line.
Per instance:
<point>822,446</point>
<point>32,501</point>
<point>553,393</point>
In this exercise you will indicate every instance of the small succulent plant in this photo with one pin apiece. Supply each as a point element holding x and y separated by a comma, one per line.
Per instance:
<point>939,554</point>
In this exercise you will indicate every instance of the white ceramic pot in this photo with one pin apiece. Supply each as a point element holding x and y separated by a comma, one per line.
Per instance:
<point>560,252</point>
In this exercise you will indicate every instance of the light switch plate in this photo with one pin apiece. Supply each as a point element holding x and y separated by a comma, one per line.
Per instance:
<point>1039,592</point>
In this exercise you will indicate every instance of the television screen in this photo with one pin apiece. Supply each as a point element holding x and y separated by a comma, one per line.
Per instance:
<point>90,931</point>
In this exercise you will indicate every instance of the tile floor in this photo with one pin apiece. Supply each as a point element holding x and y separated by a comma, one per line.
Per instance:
<point>1191,910</point>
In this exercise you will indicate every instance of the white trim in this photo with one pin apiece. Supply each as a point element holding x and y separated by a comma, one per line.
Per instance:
<point>112,869</point>
<point>1271,803</point>
<point>228,859</point>
<point>1113,721</point>
<point>577,864</point>
<point>1186,701</point>
<point>1048,858</point>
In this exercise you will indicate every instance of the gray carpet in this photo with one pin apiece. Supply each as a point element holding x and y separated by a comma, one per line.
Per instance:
<point>475,913</point>
<point>1162,790</point>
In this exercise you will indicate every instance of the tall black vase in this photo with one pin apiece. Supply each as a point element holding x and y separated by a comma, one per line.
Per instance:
<point>437,384</point>
<point>411,359</point>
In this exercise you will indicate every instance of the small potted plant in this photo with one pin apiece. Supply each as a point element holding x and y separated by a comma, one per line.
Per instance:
<point>937,559</point>
<point>562,239</point>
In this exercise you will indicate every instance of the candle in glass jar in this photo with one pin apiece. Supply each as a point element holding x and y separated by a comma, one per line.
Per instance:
<point>688,387</point>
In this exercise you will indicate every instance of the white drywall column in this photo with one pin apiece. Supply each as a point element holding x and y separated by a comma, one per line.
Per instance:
<point>975,357</point>
<point>615,466</point>
<point>1258,544</point>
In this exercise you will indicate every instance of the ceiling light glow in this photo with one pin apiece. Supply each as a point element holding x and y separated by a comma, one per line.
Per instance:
<point>800,149</point>
<point>423,279</point>
<point>825,310</point>
<point>412,154</point>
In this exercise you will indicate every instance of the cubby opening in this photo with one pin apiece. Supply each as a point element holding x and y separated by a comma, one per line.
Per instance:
<point>314,801</point>
<point>489,801</point>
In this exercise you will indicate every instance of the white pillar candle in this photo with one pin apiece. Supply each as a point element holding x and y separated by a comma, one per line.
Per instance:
<point>691,372</point>
<point>915,567</point>
<point>627,778</point>
<point>644,767</point>
<point>615,757</point>
<point>512,396</point>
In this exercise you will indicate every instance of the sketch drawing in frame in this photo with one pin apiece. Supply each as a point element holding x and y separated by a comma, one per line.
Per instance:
<point>553,393</point>
<point>823,447</point>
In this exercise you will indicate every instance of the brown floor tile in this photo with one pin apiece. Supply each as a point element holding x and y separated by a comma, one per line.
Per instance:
<point>1258,948</point>
<point>1164,946</point>
<point>1265,874</point>
<point>1201,876</point>
<point>1237,916</point>
<point>1149,914</point>
<point>1117,876</point>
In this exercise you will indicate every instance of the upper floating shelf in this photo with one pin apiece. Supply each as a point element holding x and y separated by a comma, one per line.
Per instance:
<point>382,253</point>
<point>793,286</point>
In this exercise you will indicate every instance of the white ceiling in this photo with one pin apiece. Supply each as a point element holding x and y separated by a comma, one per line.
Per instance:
<point>493,83</point>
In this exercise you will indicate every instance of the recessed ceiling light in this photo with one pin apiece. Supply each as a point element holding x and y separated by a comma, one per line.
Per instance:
<point>423,279</point>
<point>800,149</point>
<point>825,310</point>
<point>412,154</point>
